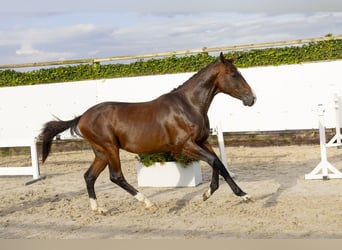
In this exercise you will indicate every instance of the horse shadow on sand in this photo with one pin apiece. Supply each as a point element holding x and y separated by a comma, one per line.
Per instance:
<point>285,174</point>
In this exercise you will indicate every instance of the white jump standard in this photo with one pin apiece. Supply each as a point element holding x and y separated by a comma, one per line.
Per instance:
<point>324,170</point>
<point>336,141</point>
<point>32,170</point>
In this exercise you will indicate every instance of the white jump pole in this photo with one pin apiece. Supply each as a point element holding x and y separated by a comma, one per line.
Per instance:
<point>336,141</point>
<point>220,141</point>
<point>321,171</point>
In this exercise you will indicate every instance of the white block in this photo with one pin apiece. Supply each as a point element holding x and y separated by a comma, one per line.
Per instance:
<point>169,174</point>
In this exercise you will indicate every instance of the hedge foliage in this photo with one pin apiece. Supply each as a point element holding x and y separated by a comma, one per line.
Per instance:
<point>316,51</point>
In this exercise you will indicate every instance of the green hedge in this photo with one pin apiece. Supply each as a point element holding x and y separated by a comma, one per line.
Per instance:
<point>317,51</point>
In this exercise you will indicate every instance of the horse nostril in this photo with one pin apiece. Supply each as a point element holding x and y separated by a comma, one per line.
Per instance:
<point>254,100</point>
<point>249,100</point>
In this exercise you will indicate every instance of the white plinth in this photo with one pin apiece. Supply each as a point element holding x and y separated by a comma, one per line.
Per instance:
<point>169,174</point>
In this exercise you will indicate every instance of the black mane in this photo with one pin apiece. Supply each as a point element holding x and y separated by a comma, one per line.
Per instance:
<point>193,77</point>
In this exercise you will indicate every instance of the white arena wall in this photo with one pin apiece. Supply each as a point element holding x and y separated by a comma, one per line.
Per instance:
<point>287,99</point>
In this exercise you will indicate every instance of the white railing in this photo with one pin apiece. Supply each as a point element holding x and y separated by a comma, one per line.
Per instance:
<point>172,53</point>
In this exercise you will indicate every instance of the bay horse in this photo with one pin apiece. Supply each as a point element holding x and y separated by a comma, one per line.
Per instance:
<point>176,121</point>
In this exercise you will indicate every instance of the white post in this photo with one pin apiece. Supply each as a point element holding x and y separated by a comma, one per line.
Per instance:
<point>336,140</point>
<point>35,163</point>
<point>34,160</point>
<point>220,141</point>
<point>321,171</point>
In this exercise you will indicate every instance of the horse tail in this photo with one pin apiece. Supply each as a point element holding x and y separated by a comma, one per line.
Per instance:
<point>52,128</point>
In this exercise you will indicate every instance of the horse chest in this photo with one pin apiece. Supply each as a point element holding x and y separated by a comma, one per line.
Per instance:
<point>200,129</point>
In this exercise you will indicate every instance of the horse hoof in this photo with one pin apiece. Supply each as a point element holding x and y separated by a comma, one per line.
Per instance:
<point>247,198</point>
<point>205,196</point>
<point>152,208</point>
<point>102,211</point>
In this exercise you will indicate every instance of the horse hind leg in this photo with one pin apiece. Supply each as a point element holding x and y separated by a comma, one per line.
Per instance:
<point>120,180</point>
<point>90,177</point>
<point>116,176</point>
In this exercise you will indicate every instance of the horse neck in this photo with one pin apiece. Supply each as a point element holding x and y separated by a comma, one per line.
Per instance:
<point>200,89</point>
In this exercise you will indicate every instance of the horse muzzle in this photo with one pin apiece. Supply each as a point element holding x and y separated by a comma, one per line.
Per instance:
<point>249,100</point>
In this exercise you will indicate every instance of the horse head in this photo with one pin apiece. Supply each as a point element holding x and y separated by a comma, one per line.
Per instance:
<point>231,82</point>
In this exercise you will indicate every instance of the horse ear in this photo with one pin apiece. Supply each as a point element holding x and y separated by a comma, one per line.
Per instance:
<point>223,59</point>
<point>233,58</point>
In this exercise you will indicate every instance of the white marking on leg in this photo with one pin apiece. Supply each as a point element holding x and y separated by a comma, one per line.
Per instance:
<point>247,198</point>
<point>95,207</point>
<point>207,194</point>
<point>93,204</point>
<point>140,197</point>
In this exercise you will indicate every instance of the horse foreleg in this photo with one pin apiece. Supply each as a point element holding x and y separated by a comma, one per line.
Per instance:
<point>225,174</point>
<point>204,153</point>
<point>215,176</point>
<point>219,168</point>
<point>213,185</point>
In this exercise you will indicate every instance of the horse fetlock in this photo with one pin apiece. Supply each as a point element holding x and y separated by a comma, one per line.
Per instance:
<point>206,195</point>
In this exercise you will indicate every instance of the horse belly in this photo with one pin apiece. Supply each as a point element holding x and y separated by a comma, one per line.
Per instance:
<point>140,142</point>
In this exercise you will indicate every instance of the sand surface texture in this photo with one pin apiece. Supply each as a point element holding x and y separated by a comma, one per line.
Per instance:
<point>285,206</point>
